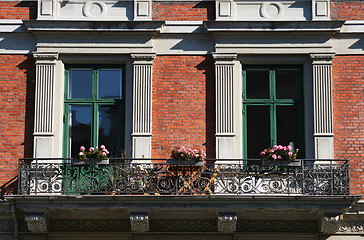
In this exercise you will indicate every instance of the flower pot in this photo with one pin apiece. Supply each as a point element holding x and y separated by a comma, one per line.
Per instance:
<point>181,162</point>
<point>89,161</point>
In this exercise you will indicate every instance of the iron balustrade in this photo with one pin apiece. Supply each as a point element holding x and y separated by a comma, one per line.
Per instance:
<point>157,177</point>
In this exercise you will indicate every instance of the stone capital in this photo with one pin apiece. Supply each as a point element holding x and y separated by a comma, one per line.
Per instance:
<point>143,58</point>
<point>322,58</point>
<point>226,222</point>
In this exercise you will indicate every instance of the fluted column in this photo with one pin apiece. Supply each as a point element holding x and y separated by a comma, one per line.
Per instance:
<point>224,80</point>
<point>44,104</point>
<point>322,100</point>
<point>142,104</point>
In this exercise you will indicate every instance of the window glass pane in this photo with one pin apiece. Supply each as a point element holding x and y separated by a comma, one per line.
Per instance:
<point>80,83</point>
<point>257,84</point>
<point>287,84</point>
<point>110,83</point>
<point>110,129</point>
<point>258,127</point>
<point>289,125</point>
<point>80,127</point>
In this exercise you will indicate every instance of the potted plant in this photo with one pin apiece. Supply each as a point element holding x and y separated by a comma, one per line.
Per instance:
<point>280,155</point>
<point>183,156</point>
<point>92,156</point>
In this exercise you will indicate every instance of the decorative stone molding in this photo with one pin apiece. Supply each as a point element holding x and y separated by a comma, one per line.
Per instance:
<point>352,227</point>
<point>320,9</point>
<point>224,80</point>
<point>142,104</point>
<point>89,225</point>
<point>139,222</point>
<point>142,10</point>
<point>37,222</point>
<point>330,224</point>
<point>276,226</point>
<point>44,104</point>
<point>224,10</point>
<point>226,222</point>
<point>322,99</point>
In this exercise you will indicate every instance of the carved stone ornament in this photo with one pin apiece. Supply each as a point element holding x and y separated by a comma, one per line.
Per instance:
<point>330,224</point>
<point>37,222</point>
<point>226,222</point>
<point>352,227</point>
<point>139,222</point>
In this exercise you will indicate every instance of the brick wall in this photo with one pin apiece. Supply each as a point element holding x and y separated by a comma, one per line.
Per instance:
<point>184,11</point>
<point>348,95</point>
<point>347,9</point>
<point>16,113</point>
<point>183,104</point>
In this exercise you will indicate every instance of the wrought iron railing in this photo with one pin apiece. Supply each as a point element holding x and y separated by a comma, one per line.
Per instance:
<point>156,177</point>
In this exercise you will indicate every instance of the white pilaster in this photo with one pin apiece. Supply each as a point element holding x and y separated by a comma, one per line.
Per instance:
<point>142,105</point>
<point>322,100</point>
<point>224,80</point>
<point>44,104</point>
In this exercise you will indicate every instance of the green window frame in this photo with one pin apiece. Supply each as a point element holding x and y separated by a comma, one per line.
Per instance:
<point>273,102</point>
<point>95,105</point>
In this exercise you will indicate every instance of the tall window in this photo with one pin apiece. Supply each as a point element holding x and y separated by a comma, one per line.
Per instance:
<point>94,108</point>
<point>272,108</point>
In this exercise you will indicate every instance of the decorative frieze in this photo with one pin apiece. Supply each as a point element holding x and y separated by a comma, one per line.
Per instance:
<point>322,99</point>
<point>37,222</point>
<point>142,104</point>
<point>226,222</point>
<point>139,222</point>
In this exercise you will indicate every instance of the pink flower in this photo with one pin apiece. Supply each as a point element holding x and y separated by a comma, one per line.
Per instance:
<point>182,155</point>
<point>297,150</point>
<point>274,156</point>
<point>82,148</point>
<point>290,153</point>
<point>280,147</point>
<point>103,154</point>
<point>80,154</point>
<point>262,153</point>
<point>275,147</point>
<point>102,147</point>
<point>285,148</point>
<point>271,150</point>
<point>289,147</point>
<point>91,149</point>
<point>279,157</point>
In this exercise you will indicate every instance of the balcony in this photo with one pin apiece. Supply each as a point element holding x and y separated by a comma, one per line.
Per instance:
<point>157,177</point>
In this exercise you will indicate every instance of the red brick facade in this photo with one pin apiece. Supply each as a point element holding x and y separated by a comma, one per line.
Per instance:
<point>184,11</point>
<point>16,107</point>
<point>183,104</point>
<point>347,9</point>
<point>23,10</point>
<point>348,95</point>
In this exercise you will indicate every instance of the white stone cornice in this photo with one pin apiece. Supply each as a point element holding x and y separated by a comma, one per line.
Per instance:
<point>322,58</point>
<point>143,58</point>
<point>224,58</point>
<point>45,58</point>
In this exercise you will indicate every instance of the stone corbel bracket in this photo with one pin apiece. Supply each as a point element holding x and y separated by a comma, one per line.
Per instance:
<point>37,222</point>
<point>226,222</point>
<point>139,221</point>
<point>330,223</point>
